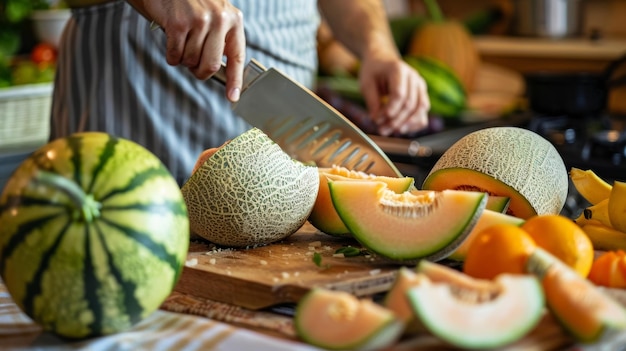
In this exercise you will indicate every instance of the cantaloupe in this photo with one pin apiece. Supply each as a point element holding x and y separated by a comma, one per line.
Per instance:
<point>397,301</point>
<point>476,314</point>
<point>505,161</point>
<point>324,217</point>
<point>337,320</point>
<point>585,311</point>
<point>250,192</point>
<point>407,226</point>
<point>498,203</point>
<point>486,219</point>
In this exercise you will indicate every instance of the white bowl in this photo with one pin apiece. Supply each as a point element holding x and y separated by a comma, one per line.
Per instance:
<point>48,25</point>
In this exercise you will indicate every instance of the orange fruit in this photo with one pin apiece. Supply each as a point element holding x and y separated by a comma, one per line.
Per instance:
<point>498,249</point>
<point>563,238</point>
<point>609,270</point>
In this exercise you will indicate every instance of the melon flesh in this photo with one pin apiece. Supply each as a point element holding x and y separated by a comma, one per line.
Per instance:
<point>487,219</point>
<point>324,217</point>
<point>498,203</point>
<point>582,308</point>
<point>503,319</point>
<point>505,161</point>
<point>396,299</point>
<point>337,320</point>
<point>406,226</point>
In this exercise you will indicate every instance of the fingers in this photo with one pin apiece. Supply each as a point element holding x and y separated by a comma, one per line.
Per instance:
<point>403,107</point>
<point>200,34</point>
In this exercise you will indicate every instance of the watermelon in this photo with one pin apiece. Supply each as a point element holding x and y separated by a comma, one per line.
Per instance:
<point>94,233</point>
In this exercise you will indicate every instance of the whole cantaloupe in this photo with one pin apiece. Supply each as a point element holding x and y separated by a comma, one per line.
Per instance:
<point>505,161</point>
<point>250,192</point>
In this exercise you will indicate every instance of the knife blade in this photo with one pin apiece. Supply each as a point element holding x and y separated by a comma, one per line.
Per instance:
<point>303,125</point>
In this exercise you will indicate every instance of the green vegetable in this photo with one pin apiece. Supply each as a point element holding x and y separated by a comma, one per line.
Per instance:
<point>446,93</point>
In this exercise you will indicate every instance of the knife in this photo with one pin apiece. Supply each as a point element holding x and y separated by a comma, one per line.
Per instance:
<point>303,125</point>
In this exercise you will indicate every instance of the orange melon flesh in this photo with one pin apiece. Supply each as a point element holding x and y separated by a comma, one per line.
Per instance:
<point>435,229</point>
<point>396,299</point>
<point>463,178</point>
<point>516,309</point>
<point>487,219</point>
<point>338,320</point>
<point>324,216</point>
<point>584,310</point>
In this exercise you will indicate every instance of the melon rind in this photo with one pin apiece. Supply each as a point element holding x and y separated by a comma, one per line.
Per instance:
<point>494,323</point>
<point>250,192</point>
<point>322,319</point>
<point>519,158</point>
<point>433,236</point>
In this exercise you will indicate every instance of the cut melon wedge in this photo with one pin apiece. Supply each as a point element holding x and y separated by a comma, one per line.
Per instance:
<point>324,217</point>
<point>487,219</point>
<point>583,309</point>
<point>397,301</point>
<point>406,226</point>
<point>444,309</point>
<point>498,203</point>
<point>337,320</point>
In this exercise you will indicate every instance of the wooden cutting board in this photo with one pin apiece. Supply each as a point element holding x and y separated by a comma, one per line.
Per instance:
<point>283,272</point>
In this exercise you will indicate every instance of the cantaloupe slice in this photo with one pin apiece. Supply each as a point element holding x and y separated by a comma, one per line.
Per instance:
<point>505,161</point>
<point>397,301</point>
<point>498,203</point>
<point>324,217</point>
<point>486,219</point>
<point>468,315</point>
<point>409,225</point>
<point>583,309</point>
<point>337,320</point>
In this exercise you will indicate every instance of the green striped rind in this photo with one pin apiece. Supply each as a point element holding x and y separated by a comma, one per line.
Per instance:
<point>83,279</point>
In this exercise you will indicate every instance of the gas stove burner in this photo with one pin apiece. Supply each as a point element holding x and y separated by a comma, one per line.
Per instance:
<point>607,144</point>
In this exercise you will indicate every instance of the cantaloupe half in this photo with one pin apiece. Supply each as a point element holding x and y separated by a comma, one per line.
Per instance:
<point>407,226</point>
<point>478,314</point>
<point>249,192</point>
<point>337,320</point>
<point>585,311</point>
<point>505,161</point>
<point>324,217</point>
<point>486,219</point>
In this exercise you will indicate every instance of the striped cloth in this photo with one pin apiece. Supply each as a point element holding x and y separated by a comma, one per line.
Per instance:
<point>113,77</point>
<point>160,331</point>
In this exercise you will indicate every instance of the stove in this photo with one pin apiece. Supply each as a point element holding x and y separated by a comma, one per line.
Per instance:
<point>595,142</point>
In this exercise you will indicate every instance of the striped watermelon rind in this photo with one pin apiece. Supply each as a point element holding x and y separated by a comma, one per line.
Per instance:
<point>80,278</point>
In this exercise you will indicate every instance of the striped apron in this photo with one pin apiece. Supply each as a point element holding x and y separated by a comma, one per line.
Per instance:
<point>112,76</point>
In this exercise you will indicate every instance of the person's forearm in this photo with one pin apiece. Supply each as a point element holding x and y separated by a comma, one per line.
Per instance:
<point>361,25</point>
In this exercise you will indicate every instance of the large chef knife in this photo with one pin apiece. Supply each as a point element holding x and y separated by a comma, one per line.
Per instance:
<point>304,125</point>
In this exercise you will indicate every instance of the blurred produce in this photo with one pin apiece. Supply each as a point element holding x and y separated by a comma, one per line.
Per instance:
<point>448,41</point>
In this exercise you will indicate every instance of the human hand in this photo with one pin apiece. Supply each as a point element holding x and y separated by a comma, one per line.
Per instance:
<point>199,34</point>
<point>395,94</point>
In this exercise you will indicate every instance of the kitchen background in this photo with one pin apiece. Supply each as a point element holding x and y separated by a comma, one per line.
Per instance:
<point>515,40</point>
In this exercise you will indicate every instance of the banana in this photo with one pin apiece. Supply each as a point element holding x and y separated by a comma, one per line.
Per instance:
<point>605,238</point>
<point>599,212</point>
<point>582,221</point>
<point>593,188</point>
<point>617,206</point>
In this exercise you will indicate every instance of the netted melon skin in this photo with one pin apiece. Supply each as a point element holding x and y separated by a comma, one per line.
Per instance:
<point>250,192</point>
<point>517,157</point>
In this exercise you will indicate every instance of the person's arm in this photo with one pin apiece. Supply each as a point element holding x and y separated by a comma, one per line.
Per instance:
<point>361,25</point>
<point>199,33</point>
<point>395,94</point>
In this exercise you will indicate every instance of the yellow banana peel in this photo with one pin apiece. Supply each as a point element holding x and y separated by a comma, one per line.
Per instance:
<point>593,188</point>
<point>599,212</point>
<point>616,208</point>
<point>605,238</point>
<point>582,221</point>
